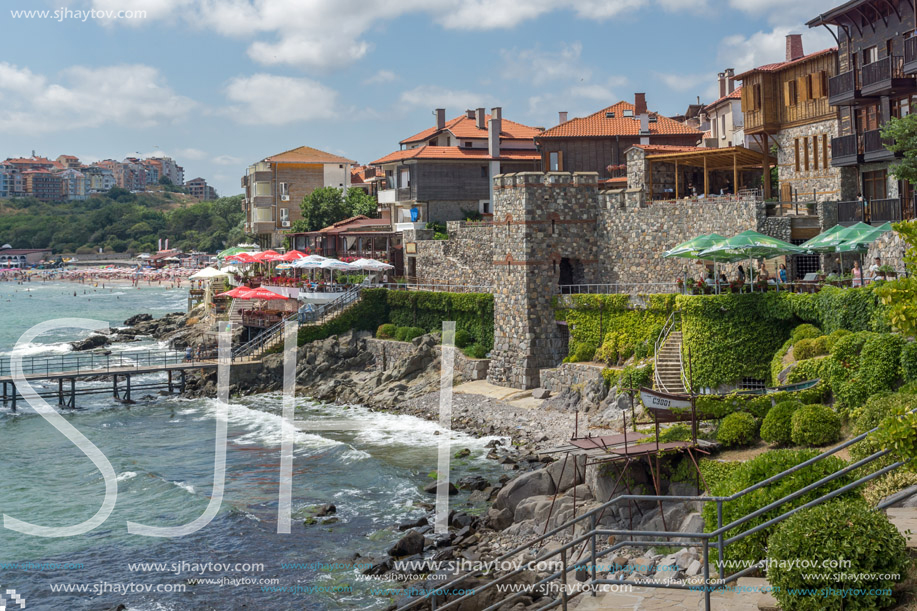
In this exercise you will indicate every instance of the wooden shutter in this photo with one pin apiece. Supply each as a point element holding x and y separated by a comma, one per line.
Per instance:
<point>814,152</point>
<point>745,107</point>
<point>824,151</point>
<point>805,152</point>
<point>786,193</point>
<point>560,161</point>
<point>786,93</point>
<point>796,143</point>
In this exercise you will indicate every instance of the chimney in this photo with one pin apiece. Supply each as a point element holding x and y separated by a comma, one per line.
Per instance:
<point>481,118</point>
<point>721,79</point>
<point>493,131</point>
<point>793,47</point>
<point>440,118</point>
<point>730,80</point>
<point>639,104</point>
<point>470,114</point>
<point>562,117</point>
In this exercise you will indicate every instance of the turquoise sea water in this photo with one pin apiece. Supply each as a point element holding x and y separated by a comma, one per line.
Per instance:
<point>162,449</point>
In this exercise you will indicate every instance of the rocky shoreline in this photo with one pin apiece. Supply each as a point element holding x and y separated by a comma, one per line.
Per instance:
<point>536,494</point>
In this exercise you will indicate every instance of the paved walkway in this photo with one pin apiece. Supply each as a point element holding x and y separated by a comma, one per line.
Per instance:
<point>648,599</point>
<point>513,396</point>
<point>905,518</point>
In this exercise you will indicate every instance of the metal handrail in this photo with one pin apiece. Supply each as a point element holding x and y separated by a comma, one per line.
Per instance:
<point>637,538</point>
<point>660,342</point>
<point>633,288</point>
<point>437,288</point>
<point>101,363</point>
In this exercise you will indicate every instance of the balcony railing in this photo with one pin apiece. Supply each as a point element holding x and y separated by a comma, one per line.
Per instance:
<point>879,76</point>
<point>844,88</point>
<point>885,210</point>
<point>910,55</point>
<point>849,213</point>
<point>874,148</point>
<point>846,150</point>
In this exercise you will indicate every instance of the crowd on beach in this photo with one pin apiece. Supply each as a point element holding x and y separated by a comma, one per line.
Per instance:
<point>176,277</point>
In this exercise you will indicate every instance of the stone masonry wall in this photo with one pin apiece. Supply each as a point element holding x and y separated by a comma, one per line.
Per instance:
<point>824,182</point>
<point>542,223</point>
<point>568,375</point>
<point>388,352</point>
<point>465,258</point>
<point>890,248</point>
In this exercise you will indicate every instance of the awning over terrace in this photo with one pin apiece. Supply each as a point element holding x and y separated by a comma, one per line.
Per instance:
<point>733,158</point>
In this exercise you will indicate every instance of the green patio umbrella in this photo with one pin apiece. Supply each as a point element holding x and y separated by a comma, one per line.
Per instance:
<point>831,242</point>
<point>689,249</point>
<point>233,251</point>
<point>750,245</point>
<point>861,243</point>
<point>825,236</point>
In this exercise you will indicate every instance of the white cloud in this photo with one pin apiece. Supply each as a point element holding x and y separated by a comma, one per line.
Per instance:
<point>683,5</point>
<point>746,52</point>
<point>325,34</point>
<point>578,101</point>
<point>226,160</point>
<point>785,12</point>
<point>191,153</point>
<point>382,76</point>
<point>133,96</point>
<point>538,67</point>
<point>266,99</point>
<point>683,82</point>
<point>433,96</point>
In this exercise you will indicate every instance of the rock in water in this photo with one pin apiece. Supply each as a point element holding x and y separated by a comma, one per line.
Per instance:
<point>133,320</point>
<point>326,510</point>
<point>408,545</point>
<point>93,341</point>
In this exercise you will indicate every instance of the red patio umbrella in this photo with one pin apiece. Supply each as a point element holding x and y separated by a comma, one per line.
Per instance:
<point>292,255</point>
<point>240,292</point>
<point>242,257</point>
<point>266,255</point>
<point>263,294</point>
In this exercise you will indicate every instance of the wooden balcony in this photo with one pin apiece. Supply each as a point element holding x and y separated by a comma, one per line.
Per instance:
<point>885,210</point>
<point>843,89</point>
<point>910,55</point>
<point>874,147</point>
<point>885,77</point>
<point>846,151</point>
<point>849,213</point>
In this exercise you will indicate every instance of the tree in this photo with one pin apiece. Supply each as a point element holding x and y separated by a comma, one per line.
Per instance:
<point>901,295</point>
<point>361,203</point>
<point>900,136</point>
<point>165,180</point>
<point>325,206</point>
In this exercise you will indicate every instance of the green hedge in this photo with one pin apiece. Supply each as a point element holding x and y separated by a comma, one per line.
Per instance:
<point>718,406</point>
<point>608,323</point>
<point>366,315</point>
<point>764,466</point>
<point>472,312</point>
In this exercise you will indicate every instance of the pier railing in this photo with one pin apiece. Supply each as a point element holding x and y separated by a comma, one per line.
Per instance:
<point>90,362</point>
<point>631,288</point>
<point>571,559</point>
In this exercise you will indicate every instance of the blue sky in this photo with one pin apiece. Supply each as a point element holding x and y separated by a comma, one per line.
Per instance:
<point>219,84</point>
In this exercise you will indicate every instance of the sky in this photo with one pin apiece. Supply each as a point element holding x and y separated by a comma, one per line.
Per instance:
<point>221,84</point>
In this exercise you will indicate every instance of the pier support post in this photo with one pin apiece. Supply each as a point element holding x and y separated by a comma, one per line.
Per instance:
<point>4,393</point>
<point>170,381</point>
<point>181,386</point>
<point>60,392</point>
<point>73,393</point>
<point>114,387</point>
<point>13,384</point>
<point>127,389</point>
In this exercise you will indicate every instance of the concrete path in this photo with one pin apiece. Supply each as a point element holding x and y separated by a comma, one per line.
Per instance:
<point>512,396</point>
<point>641,599</point>
<point>905,518</point>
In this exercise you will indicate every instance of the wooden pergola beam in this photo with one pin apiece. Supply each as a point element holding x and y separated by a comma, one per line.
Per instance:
<point>706,179</point>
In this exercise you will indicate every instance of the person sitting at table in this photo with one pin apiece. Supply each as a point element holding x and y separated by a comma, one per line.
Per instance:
<point>723,279</point>
<point>740,275</point>
<point>763,273</point>
<point>874,273</point>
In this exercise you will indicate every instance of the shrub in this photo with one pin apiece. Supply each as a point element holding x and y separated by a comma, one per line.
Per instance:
<point>809,369</point>
<point>909,362</point>
<point>815,425</point>
<point>880,361</point>
<point>676,432</point>
<point>476,351</point>
<point>758,469</point>
<point>386,331</point>
<point>583,352</point>
<point>836,335</point>
<point>808,348</point>
<point>737,429</point>
<point>463,338</point>
<point>611,377</point>
<point>845,530</point>
<point>805,331</point>
<point>406,334</point>
<point>777,427</point>
<point>636,376</point>
<point>883,487</point>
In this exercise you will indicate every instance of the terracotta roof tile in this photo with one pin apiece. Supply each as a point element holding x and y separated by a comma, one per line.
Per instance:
<point>462,127</point>
<point>307,154</point>
<point>735,95</point>
<point>666,148</point>
<point>781,65</point>
<point>457,153</point>
<point>598,124</point>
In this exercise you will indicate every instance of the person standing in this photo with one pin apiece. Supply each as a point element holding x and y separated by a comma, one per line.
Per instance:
<point>782,275</point>
<point>857,274</point>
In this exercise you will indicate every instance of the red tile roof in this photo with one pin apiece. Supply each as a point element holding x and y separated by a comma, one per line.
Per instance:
<point>735,95</point>
<point>599,125</point>
<point>354,223</point>
<point>666,148</point>
<point>307,154</point>
<point>781,65</point>
<point>457,153</point>
<point>462,127</point>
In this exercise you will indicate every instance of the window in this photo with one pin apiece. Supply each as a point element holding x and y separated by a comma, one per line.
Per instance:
<point>870,54</point>
<point>824,151</point>
<point>874,185</point>
<point>283,188</point>
<point>790,93</point>
<point>284,215</point>
<point>262,215</point>
<point>610,114</point>
<point>556,161</point>
<point>805,152</point>
<point>796,146</point>
<point>263,188</point>
<point>484,172</point>
<point>467,144</point>
<point>814,152</point>
<point>723,127</point>
<point>756,97</point>
<point>628,112</point>
<point>484,206</point>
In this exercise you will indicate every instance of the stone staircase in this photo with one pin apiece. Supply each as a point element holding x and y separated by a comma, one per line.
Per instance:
<point>668,365</point>
<point>235,312</point>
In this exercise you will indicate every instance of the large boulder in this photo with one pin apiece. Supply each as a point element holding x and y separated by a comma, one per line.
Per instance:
<point>138,318</point>
<point>569,472</point>
<point>535,483</point>
<point>91,342</point>
<point>408,545</point>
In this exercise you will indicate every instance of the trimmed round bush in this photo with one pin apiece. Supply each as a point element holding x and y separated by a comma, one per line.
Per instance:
<point>463,338</point>
<point>809,369</point>
<point>808,348</point>
<point>406,334</point>
<point>805,331</point>
<point>834,336</point>
<point>777,427</point>
<point>758,469</point>
<point>386,331</point>
<point>815,425</point>
<point>476,351</point>
<point>877,408</point>
<point>840,530</point>
<point>909,362</point>
<point>737,429</point>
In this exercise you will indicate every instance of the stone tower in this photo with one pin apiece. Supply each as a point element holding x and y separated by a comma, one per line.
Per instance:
<point>545,233</point>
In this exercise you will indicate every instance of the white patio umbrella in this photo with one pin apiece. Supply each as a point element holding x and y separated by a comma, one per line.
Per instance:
<point>371,265</point>
<point>334,264</point>
<point>207,273</point>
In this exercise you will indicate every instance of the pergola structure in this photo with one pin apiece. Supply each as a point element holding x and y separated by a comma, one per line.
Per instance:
<point>734,157</point>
